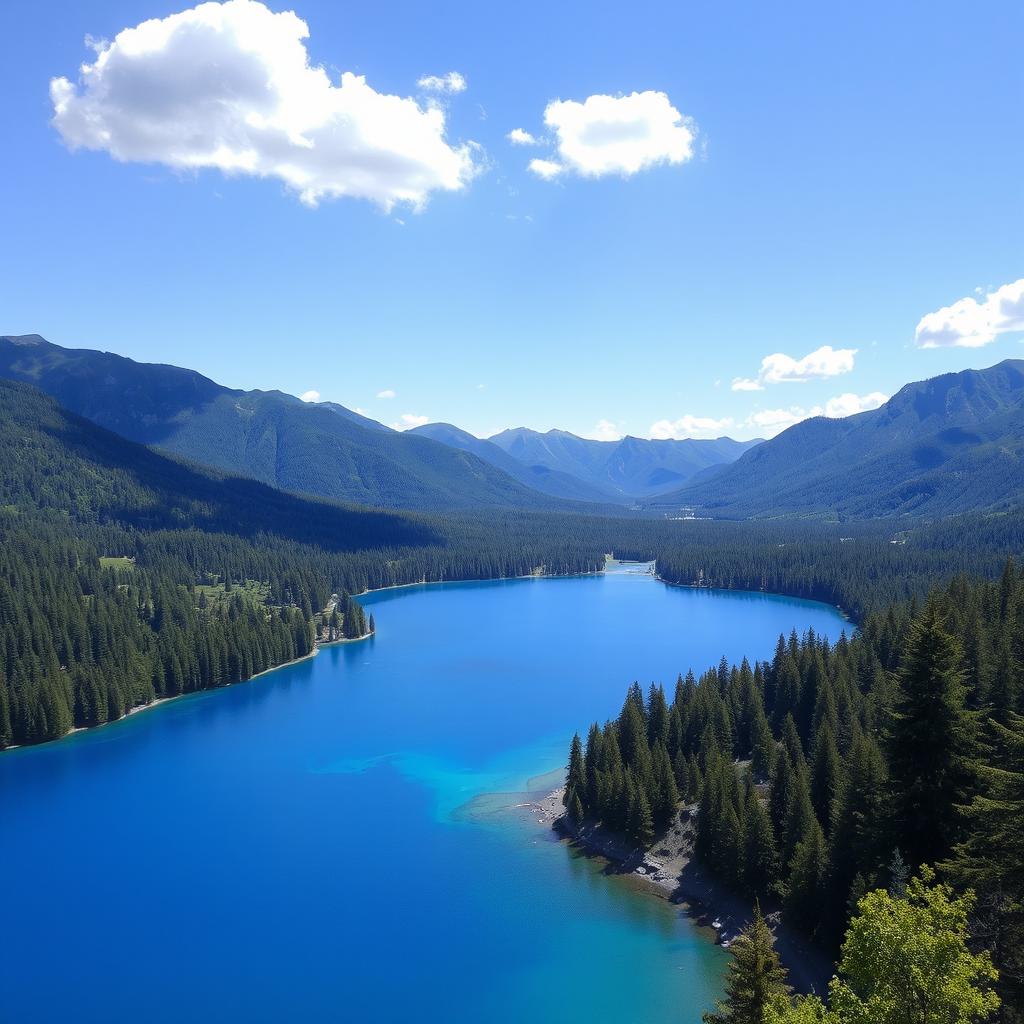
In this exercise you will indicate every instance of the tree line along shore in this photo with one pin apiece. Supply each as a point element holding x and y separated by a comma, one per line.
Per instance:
<point>811,779</point>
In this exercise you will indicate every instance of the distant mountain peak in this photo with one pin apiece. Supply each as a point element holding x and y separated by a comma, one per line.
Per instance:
<point>948,444</point>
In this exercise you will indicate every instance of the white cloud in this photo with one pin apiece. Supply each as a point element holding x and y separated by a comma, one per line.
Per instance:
<point>520,137</point>
<point>604,430</point>
<point>850,404</point>
<point>229,86</point>
<point>386,393</point>
<point>766,422</point>
<point>616,135</point>
<point>546,169</point>
<point>772,421</point>
<point>310,396</point>
<point>689,426</point>
<point>452,82</point>
<point>408,420</point>
<point>973,324</point>
<point>769,422</point>
<point>779,368</point>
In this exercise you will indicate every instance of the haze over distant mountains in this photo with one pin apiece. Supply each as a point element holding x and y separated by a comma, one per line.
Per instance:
<point>566,465</point>
<point>633,467</point>
<point>951,444</point>
<point>327,450</point>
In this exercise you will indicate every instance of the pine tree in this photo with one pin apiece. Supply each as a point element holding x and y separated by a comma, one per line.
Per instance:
<point>825,774</point>
<point>807,878</point>
<point>728,845</point>
<point>931,741</point>
<point>576,779</point>
<point>756,977</point>
<point>640,824</point>
<point>575,809</point>
<point>762,745</point>
<point>780,795</point>
<point>991,857</point>
<point>760,858</point>
<point>799,816</point>
<point>665,800</point>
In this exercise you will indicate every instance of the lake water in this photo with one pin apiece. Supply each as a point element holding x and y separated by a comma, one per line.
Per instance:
<point>315,846</point>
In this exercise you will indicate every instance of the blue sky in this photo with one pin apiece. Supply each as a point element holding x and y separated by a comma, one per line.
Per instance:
<point>814,175</point>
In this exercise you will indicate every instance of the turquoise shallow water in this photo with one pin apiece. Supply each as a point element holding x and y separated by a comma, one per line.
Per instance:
<point>307,847</point>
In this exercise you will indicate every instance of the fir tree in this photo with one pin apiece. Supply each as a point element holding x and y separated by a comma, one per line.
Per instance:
<point>756,978</point>
<point>807,878</point>
<point>640,824</point>
<point>931,741</point>
<point>825,774</point>
<point>990,859</point>
<point>760,858</point>
<point>576,779</point>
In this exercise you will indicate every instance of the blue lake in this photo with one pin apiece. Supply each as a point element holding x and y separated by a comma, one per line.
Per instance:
<point>314,845</point>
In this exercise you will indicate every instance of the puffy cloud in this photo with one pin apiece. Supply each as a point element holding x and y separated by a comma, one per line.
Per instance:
<point>817,365</point>
<point>386,393</point>
<point>605,430</point>
<point>310,396</point>
<point>520,137</point>
<point>546,169</point>
<point>408,420</point>
<point>772,421</point>
<point>230,86</point>
<point>689,426</point>
<point>452,82</point>
<point>769,422</point>
<point>616,135</point>
<point>973,324</point>
<point>850,404</point>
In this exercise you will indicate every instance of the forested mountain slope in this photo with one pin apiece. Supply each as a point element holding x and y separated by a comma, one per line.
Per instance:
<point>324,450</point>
<point>943,446</point>
<point>55,460</point>
<point>632,468</point>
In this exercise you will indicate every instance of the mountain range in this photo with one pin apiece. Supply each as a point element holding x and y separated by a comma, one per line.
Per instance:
<point>318,449</point>
<point>943,446</point>
<point>950,444</point>
<point>633,467</point>
<point>327,450</point>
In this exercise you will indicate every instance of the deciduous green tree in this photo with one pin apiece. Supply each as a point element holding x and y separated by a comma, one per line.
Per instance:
<point>906,961</point>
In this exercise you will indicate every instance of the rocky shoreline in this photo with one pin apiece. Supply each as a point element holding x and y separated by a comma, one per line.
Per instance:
<point>668,870</point>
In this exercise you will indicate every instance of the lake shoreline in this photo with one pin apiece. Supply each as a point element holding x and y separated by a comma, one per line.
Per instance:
<point>669,871</point>
<point>725,590</point>
<point>160,701</point>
